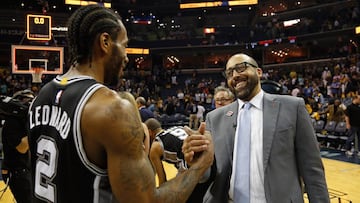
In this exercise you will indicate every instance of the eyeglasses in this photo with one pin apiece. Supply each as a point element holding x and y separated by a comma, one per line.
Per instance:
<point>222,100</point>
<point>239,68</point>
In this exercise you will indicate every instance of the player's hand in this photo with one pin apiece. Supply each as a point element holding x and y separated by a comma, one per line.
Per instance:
<point>198,145</point>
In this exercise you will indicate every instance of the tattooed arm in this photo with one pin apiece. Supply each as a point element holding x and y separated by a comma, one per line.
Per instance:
<point>113,139</point>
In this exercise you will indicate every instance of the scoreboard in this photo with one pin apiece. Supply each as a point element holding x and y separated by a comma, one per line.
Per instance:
<point>38,27</point>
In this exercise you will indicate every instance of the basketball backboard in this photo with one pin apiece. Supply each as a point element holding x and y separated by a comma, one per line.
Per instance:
<point>25,59</point>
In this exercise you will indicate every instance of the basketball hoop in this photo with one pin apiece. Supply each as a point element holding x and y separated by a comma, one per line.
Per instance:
<point>36,74</point>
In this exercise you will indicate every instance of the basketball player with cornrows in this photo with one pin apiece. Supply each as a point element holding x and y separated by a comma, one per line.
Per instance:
<point>83,133</point>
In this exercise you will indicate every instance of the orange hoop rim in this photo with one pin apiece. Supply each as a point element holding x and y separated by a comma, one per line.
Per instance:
<point>37,70</point>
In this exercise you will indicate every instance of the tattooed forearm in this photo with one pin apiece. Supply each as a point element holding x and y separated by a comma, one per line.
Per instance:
<point>178,190</point>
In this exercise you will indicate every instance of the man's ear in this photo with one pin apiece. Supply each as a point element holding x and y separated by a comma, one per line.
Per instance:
<point>105,42</point>
<point>259,72</point>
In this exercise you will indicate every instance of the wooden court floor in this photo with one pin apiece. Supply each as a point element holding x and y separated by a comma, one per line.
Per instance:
<point>343,181</point>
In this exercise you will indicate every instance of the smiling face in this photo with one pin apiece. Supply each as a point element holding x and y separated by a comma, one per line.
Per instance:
<point>244,82</point>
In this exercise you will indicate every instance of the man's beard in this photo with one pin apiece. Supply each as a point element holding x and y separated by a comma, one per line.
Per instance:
<point>111,80</point>
<point>245,93</point>
<point>112,69</point>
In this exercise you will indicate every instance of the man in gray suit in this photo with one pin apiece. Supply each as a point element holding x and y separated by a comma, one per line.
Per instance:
<point>284,158</point>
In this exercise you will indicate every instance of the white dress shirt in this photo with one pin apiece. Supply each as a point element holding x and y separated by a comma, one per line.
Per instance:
<point>257,191</point>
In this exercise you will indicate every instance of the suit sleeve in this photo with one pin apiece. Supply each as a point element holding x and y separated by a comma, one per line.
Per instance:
<point>308,158</point>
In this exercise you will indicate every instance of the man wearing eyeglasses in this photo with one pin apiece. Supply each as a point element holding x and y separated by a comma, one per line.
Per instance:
<point>265,146</point>
<point>222,96</point>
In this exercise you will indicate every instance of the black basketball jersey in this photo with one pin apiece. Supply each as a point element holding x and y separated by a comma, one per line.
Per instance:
<point>171,141</point>
<point>60,168</point>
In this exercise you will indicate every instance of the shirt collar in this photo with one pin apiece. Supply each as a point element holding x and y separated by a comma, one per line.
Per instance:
<point>256,101</point>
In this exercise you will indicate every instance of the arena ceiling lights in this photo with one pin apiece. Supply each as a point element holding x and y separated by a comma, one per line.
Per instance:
<point>137,51</point>
<point>218,4</point>
<point>84,3</point>
<point>357,30</point>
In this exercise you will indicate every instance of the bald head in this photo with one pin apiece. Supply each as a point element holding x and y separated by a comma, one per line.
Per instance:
<point>240,58</point>
<point>141,101</point>
<point>243,76</point>
<point>154,127</point>
<point>153,124</point>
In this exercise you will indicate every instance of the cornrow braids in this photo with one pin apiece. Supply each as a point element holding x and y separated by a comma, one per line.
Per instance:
<point>84,26</point>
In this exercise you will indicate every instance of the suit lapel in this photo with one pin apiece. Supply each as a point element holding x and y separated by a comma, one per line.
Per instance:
<point>231,114</point>
<point>271,111</point>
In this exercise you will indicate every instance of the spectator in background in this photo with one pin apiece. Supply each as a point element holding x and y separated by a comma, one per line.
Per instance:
<point>307,90</point>
<point>296,91</point>
<point>318,97</point>
<point>199,114</point>
<point>222,96</point>
<point>192,109</point>
<point>352,118</point>
<point>181,97</point>
<point>170,107</point>
<point>334,111</point>
<point>145,113</point>
<point>353,84</point>
<point>16,164</point>
<point>152,105</point>
<point>160,105</point>
<point>325,76</point>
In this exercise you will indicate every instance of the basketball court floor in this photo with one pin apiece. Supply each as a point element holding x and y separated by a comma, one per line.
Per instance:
<point>342,175</point>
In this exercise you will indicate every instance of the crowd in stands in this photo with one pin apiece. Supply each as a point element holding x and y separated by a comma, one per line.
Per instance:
<point>319,86</point>
<point>327,89</point>
<point>318,20</point>
<point>313,22</point>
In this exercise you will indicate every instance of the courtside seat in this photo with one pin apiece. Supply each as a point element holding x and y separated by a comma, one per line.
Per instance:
<point>341,131</point>
<point>319,129</point>
<point>177,119</point>
<point>331,138</point>
<point>163,119</point>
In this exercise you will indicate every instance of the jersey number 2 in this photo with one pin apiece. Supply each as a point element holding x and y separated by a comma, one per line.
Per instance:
<point>46,165</point>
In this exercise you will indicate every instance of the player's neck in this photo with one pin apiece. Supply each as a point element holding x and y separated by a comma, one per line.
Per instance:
<point>85,70</point>
<point>158,131</point>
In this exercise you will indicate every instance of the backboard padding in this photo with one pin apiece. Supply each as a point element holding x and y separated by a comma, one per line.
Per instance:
<point>24,58</point>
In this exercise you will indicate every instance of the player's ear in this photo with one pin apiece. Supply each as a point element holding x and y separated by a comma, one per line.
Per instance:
<point>104,42</point>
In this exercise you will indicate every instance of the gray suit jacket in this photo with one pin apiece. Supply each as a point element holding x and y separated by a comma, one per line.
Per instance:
<point>290,150</point>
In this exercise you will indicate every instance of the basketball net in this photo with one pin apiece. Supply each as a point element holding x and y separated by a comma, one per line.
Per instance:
<point>36,75</point>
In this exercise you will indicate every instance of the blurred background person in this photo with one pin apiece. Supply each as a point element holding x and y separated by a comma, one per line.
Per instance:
<point>199,114</point>
<point>167,146</point>
<point>191,110</point>
<point>334,111</point>
<point>223,96</point>
<point>16,164</point>
<point>352,118</point>
<point>145,113</point>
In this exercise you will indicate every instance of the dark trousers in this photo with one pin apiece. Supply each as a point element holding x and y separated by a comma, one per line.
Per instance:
<point>20,185</point>
<point>354,131</point>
